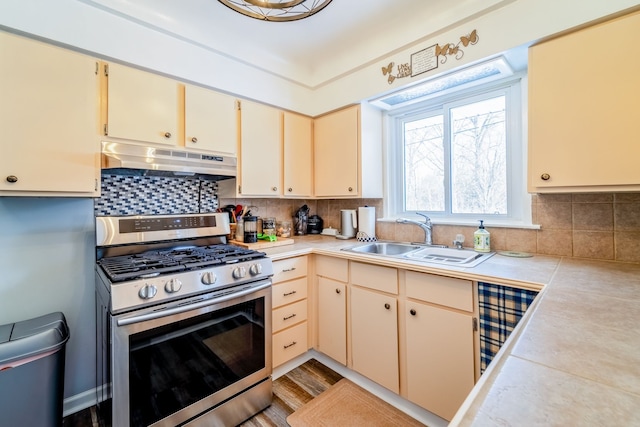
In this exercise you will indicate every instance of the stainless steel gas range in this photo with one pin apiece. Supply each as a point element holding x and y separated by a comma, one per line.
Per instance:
<point>184,322</point>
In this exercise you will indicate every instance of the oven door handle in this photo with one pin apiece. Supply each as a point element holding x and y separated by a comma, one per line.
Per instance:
<point>188,307</point>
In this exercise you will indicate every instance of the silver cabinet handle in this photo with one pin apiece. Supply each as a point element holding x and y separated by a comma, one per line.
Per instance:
<point>274,188</point>
<point>545,177</point>
<point>289,189</point>
<point>194,139</point>
<point>291,316</point>
<point>290,345</point>
<point>288,269</point>
<point>350,188</point>
<point>286,294</point>
<point>12,178</point>
<point>167,135</point>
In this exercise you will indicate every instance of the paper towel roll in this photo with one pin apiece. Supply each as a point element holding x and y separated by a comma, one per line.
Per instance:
<point>366,223</point>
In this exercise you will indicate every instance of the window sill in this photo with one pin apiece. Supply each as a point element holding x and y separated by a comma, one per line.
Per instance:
<point>471,223</point>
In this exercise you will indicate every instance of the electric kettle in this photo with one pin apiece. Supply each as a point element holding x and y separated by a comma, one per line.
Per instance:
<point>348,224</point>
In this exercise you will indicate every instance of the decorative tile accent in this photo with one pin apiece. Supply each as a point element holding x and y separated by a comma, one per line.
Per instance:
<point>155,195</point>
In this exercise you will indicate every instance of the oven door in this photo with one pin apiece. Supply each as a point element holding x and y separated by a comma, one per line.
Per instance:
<point>173,362</point>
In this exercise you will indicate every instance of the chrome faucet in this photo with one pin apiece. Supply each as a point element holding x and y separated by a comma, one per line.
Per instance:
<point>426,226</point>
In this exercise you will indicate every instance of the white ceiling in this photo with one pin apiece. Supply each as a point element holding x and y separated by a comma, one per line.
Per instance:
<point>342,37</point>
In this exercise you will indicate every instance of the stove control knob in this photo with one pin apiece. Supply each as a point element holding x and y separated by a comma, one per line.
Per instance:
<point>208,278</point>
<point>172,286</point>
<point>255,269</point>
<point>147,292</point>
<point>239,272</point>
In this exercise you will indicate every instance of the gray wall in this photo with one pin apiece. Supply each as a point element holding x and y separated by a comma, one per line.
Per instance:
<point>47,253</point>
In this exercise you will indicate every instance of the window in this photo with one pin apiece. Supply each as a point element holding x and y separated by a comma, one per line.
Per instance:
<point>460,158</point>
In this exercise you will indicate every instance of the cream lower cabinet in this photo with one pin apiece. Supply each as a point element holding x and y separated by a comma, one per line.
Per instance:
<point>439,315</point>
<point>332,275</point>
<point>373,308</point>
<point>49,114</point>
<point>289,303</point>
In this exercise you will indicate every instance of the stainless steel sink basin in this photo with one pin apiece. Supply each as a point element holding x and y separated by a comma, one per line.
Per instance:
<point>422,253</point>
<point>385,248</point>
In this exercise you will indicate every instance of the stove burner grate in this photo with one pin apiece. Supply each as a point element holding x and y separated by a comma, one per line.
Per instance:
<point>156,262</point>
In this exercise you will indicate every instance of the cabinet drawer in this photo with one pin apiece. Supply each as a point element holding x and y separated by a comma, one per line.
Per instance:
<point>383,279</point>
<point>288,292</point>
<point>332,268</point>
<point>287,269</point>
<point>288,315</point>
<point>447,291</point>
<point>289,343</point>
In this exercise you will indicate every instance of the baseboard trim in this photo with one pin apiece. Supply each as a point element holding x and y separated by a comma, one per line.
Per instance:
<point>81,401</point>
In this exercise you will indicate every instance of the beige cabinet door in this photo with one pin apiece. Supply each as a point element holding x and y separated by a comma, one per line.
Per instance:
<point>298,161</point>
<point>584,109</point>
<point>440,358</point>
<point>48,120</point>
<point>332,319</point>
<point>142,106</point>
<point>260,150</point>
<point>211,121</point>
<point>374,337</point>
<point>336,153</point>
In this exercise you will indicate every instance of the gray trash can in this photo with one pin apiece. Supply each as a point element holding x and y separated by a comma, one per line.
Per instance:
<point>32,371</point>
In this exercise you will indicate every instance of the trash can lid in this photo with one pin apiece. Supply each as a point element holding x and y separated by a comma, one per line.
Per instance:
<point>32,337</point>
<point>5,332</point>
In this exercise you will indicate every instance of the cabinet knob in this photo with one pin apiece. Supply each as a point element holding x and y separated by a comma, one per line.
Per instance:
<point>413,312</point>
<point>12,178</point>
<point>194,139</point>
<point>350,188</point>
<point>387,305</point>
<point>167,135</point>
<point>274,188</point>
<point>338,291</point>
<point>545,177</point>
<point>289,189</point>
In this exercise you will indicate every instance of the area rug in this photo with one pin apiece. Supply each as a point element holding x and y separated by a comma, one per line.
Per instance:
<point>346,404</point>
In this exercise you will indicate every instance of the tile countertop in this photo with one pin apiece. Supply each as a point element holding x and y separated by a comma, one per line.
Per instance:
<point>574,359</point>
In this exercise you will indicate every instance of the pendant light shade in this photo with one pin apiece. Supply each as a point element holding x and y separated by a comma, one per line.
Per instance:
<point>276,10</point>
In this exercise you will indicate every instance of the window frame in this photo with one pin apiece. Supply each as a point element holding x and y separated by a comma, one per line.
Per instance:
<point>518,199</point>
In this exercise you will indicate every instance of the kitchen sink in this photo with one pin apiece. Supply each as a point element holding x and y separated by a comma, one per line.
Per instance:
<point>385,248</point>
<point>422,253</point>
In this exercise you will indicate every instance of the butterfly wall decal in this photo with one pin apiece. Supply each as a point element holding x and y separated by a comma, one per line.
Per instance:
<point>470,39</point>
<point>387,70</point>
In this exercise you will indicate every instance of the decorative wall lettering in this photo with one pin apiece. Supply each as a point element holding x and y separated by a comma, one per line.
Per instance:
<point>428,59</point>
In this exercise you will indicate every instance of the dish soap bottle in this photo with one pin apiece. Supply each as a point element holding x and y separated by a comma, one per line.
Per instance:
<point>482,239</point>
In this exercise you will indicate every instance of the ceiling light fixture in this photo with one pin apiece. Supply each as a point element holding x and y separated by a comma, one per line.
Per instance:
<point>276,10</point>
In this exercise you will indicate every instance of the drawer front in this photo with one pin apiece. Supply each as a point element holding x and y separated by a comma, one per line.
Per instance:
<point>288,315</point>
<point>287,269</point>
<point>332,268</point>
<point>289,343</point>
<point>383,279</point>
<point>288,292</point>
<point>447,291</point>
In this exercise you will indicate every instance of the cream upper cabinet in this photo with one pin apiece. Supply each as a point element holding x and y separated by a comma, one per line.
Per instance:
<point>439,342</point>
<point>584,110</point>
<point>211,121</point>
<point>298,157</point>
<point>142,106</point>
<point>260,150</point>
<point>48,120</point>
<point>348,153</point>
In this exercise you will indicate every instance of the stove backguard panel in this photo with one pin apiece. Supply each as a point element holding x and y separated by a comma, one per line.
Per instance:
<point>155,195</point>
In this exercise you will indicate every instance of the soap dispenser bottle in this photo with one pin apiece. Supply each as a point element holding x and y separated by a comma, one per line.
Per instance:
<point>482,239</point>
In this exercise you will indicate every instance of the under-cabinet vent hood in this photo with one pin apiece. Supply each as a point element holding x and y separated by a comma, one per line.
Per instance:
<point>145,160</point>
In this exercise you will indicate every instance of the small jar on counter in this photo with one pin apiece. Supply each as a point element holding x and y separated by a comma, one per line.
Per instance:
<point>283,228</point>
<point>269,226</point>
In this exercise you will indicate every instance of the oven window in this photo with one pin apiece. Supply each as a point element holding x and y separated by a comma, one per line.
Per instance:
<point>176,365</point>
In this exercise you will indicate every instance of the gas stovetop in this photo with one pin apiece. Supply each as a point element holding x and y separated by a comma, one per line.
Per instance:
<point>156,262</point>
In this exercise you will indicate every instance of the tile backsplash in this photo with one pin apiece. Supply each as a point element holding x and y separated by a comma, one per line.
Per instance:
<point>155,195</point>
<point>604,226</point>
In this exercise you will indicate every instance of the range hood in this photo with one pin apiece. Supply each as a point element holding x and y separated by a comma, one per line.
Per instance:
<point>145,160</point>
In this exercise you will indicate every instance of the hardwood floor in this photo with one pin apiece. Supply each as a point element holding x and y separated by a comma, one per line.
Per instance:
<point>290,392</point>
